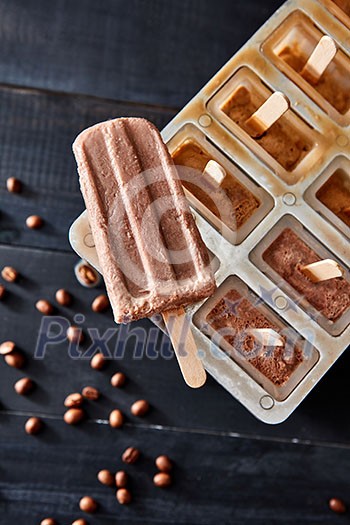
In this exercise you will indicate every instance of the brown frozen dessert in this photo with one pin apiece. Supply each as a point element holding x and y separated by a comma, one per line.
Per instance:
<point>286,255</point>
<point>344,5</point>
<point>335,195</point>
<point>231,202</point>
<point>334,84</point>
<point>149,248</point>
<point>282,141</point>
<point>232,316</point>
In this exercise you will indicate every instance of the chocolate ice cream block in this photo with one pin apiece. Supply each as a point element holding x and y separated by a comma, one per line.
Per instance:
<point>283,254</point>
<point>344,5</point>
<point>290,47</point>
<point>230,317</point>
<point>335,195</point>
<point>236,205</point>
<point>231,202</point>
<point>285,145</point>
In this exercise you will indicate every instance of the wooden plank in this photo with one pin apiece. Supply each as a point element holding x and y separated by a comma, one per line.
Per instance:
<point>152,376</point>
<point>35,146</point>
<point>153,52</point>
<point>217,478</point>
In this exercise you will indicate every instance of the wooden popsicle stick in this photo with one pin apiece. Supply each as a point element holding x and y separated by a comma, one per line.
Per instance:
<point>319,60</point>
<point>214,172</point>
<point>185,347</point>
<point>322,270</point>
<point>269,112</point>
<point>266,336</point>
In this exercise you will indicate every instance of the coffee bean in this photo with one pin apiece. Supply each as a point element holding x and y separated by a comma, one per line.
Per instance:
<point>80,522</point>
<point>91,393</point>
<point>100,304</point>
<point>74,400</point>
<point>88,504</point>
<point>118,379</point>
<point>163,463</point>
<point>33,425</point>
<point>73,416</point>
<point>2,292</point>
<point>121,479</point>
<point>75,334</point>
<point>7,347</point>
<point>140,408</point>
<point>15,359</point>
<point>123,496</point>
<point>14,185</point>
<point>63,297</point>
<point>106,478</point>
<point>87,275</point>
<point>130,455</point>
<point>98,362</point>
<point>337,505</point>
<point>24,386</point>
<point>116,419</point>
<point>162,480</point>
<point>44,307</point>
<point>48,521</point>
<point>9,274</point>
<point>34,222</point>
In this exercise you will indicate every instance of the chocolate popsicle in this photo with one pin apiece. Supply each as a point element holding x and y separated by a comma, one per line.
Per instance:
<point>287,255</point>
<point>150,250</point>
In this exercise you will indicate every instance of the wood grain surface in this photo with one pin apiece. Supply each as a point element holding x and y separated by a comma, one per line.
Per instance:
<point>65,65</point>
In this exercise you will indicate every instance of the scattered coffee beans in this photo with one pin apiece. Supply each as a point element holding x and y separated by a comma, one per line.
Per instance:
<point>163,463</point>
<point>162,479</point>
<point>48,521</point>
<point>123,496</point>
<point>118,380</point>
<point>98,362</point>
<point>33,425</point>
<point>7,347</point>
<point>100,304</point>
<point>80,522</point>
<point>73,416</point>
<point>9,274</point>
<point>24,386</point>
<point>91,393</point>
<point>121,479</point>
<point>130,455</point>
<point>140,408</point>
<point>116,419</point>
<point>15,359</point>
<point>74,400</point>
<point>88,504</point>
<point>63,297</point>
<point>87,275</point>
<point>44,307</point>
<point>337,505</point>
<point>75,334</point>
<point>34,222</point>
<point>2,292</point>
<point>14,185</point>
<point>106,478</point>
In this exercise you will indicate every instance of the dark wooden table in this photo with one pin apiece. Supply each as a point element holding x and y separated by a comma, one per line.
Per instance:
<point>65,65</point>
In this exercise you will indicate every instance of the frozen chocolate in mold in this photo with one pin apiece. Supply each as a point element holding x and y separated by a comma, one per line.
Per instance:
<point>233,315</point>
<point>344,5</point>
<point>335,195</point>
<point>334,84</point>
<point>287,255</point>
<point>282,141</point>
<point>243,202</point>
